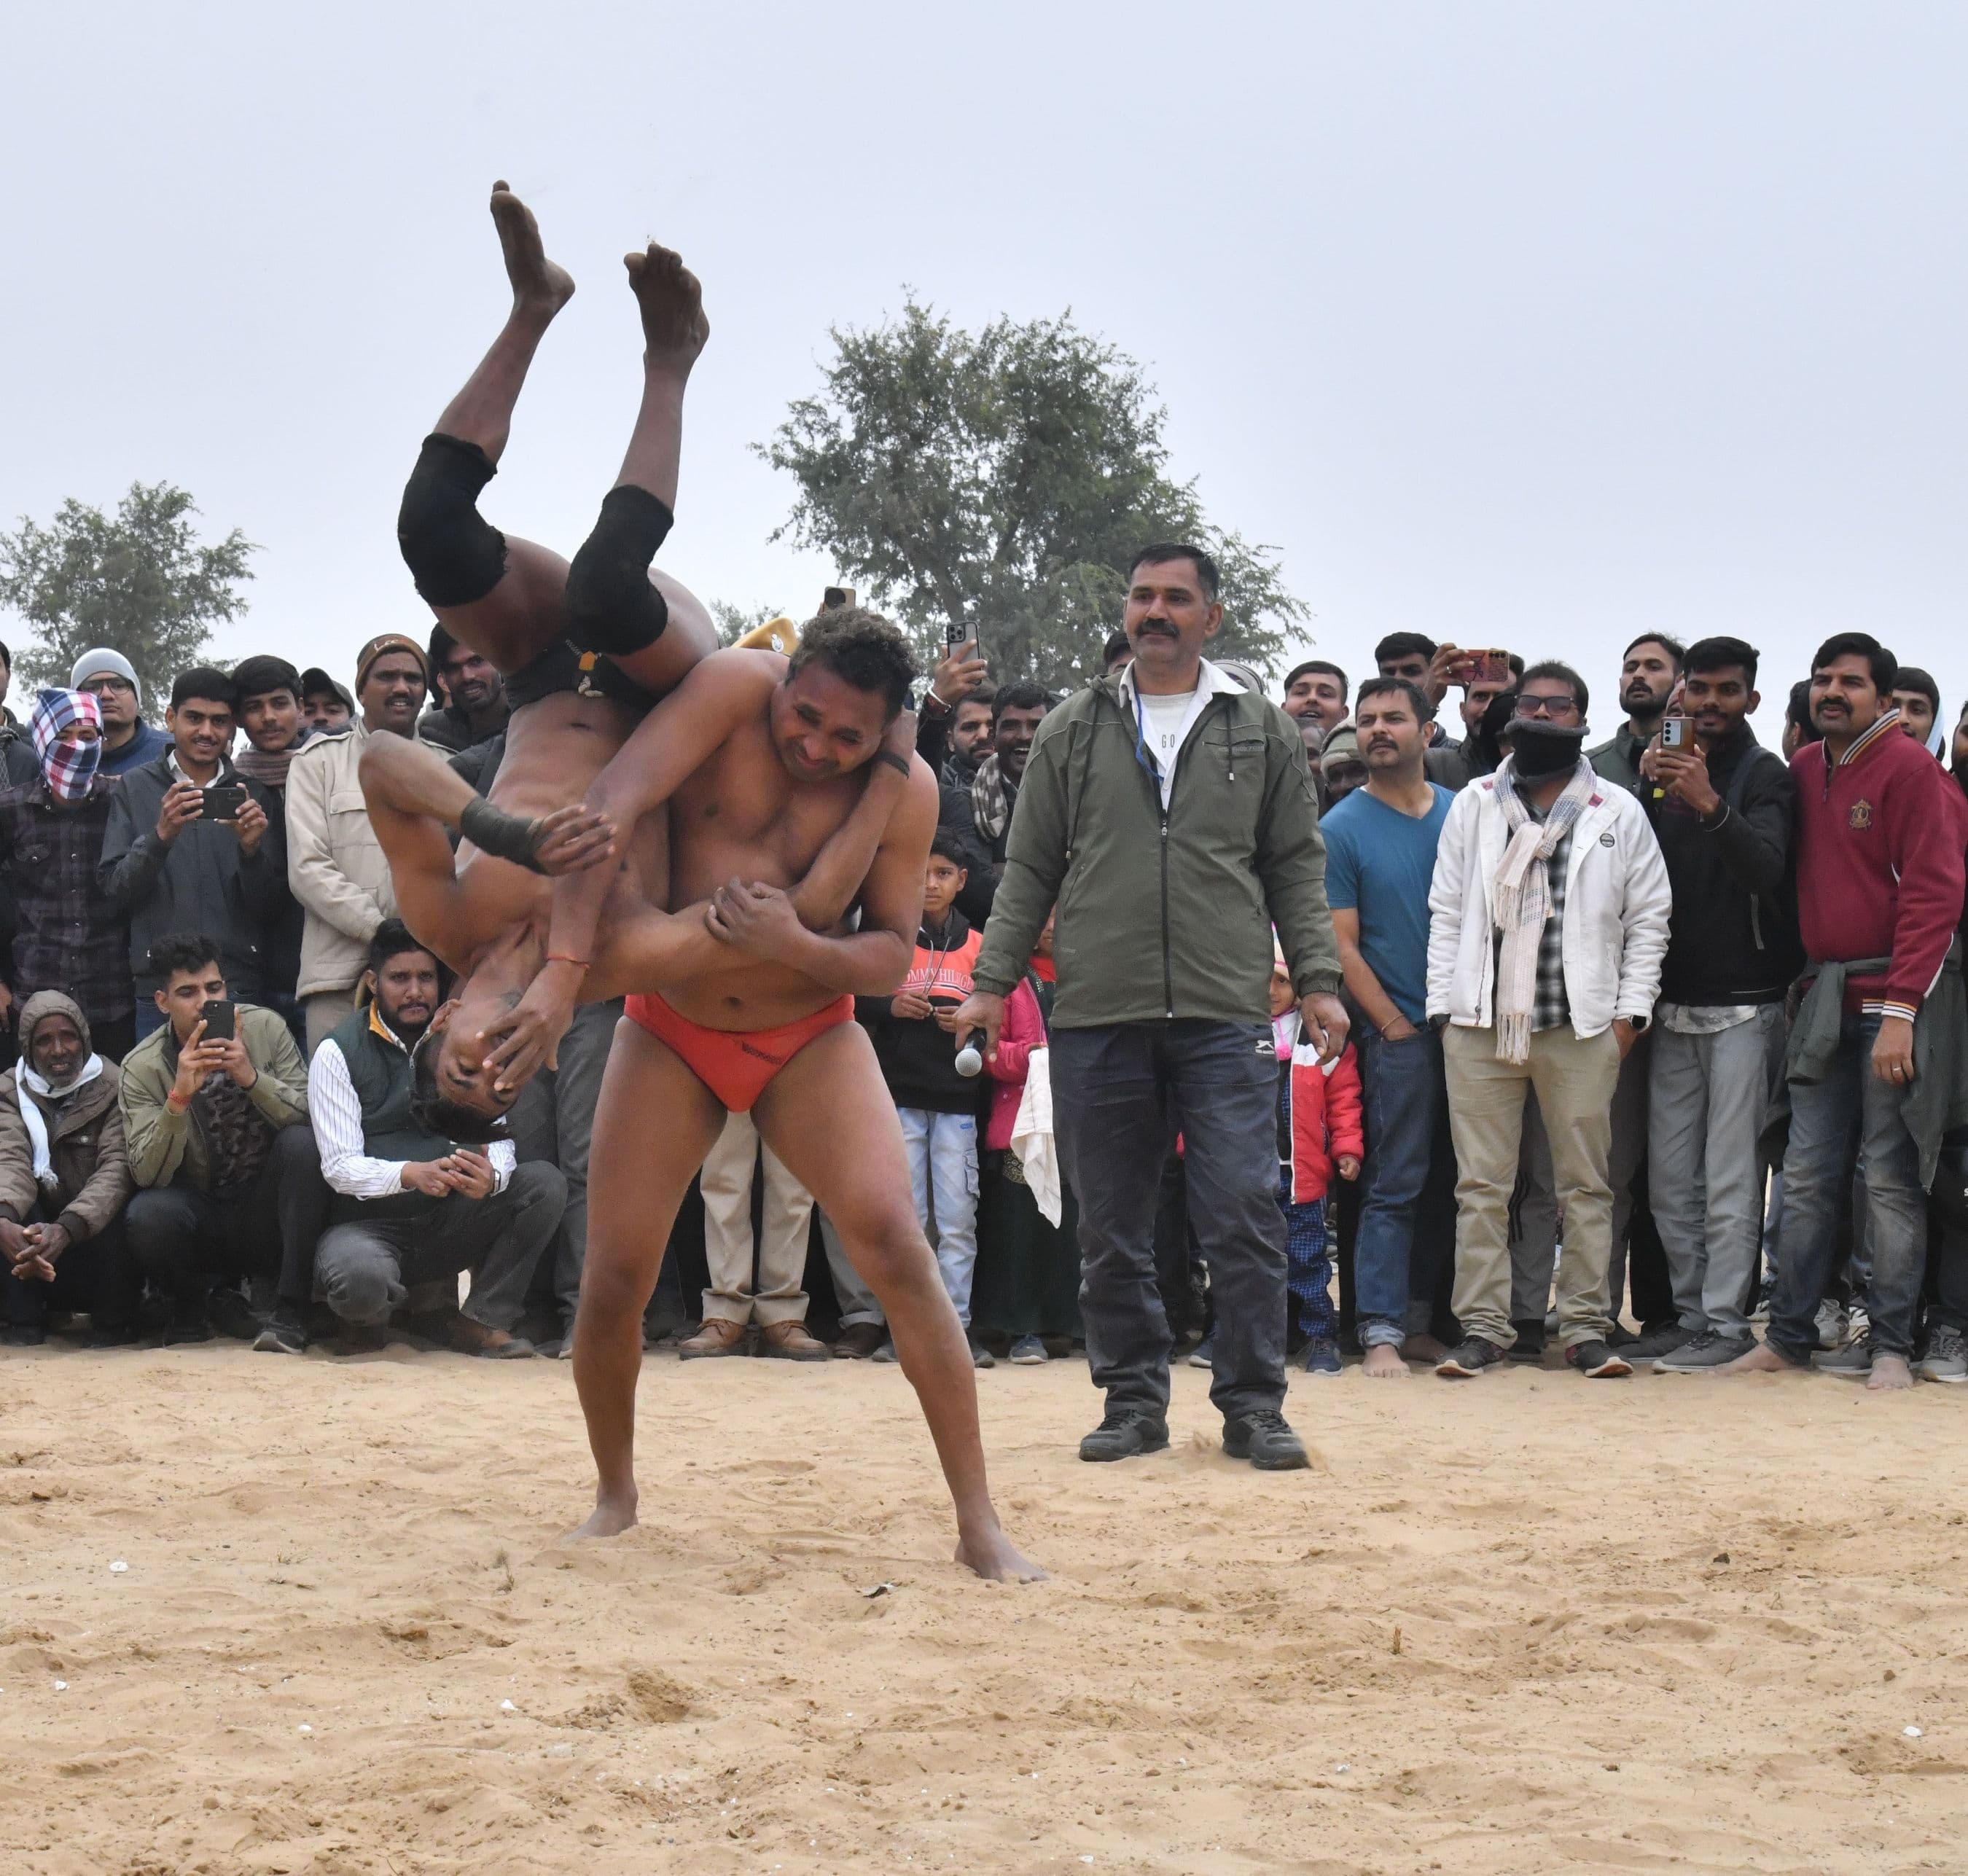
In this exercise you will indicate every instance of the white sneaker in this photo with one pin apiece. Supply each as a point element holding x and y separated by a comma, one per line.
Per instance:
<point>1861,1325</point>
<point>1832,1331</point>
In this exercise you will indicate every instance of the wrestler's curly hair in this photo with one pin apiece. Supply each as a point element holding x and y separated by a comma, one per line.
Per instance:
<point>861,649</point>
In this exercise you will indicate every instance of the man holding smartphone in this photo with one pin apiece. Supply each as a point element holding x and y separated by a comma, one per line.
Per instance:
<point>215,1108</point>
<point>193,846</point>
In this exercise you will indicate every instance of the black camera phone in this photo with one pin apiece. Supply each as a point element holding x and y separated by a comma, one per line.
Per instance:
<point>222,800</point>
<point>220,1023</point>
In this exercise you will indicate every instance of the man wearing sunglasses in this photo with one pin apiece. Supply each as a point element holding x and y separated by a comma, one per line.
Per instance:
<point>1548,924</point>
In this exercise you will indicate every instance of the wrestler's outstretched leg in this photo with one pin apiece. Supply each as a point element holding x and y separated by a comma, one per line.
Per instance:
<point>829,1117</point>
<point>653,1124</point>
<point>499,595</point>
<point>652,628</point>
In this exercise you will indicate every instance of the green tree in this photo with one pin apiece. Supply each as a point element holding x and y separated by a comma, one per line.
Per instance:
<point>140,582</point>
<point>733,622</point>
<point>1005,478</point>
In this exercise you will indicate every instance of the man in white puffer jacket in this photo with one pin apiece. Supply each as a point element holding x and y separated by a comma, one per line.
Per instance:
<point>1547,922</point>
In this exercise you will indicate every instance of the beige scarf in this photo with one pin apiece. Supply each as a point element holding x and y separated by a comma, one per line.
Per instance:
<point>1520,899</point>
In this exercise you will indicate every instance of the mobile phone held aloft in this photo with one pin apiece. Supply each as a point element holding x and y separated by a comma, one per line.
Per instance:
<point>1677,733</point>
<point>955,632</point>
<point>222,800</point>
<point>221,1024</point>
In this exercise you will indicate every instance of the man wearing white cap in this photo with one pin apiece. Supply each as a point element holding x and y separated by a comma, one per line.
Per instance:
<point>127,741</point>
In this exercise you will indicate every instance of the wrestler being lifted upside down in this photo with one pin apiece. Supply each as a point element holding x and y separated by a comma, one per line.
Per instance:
<point>767,766</point>
<point>585,649</point>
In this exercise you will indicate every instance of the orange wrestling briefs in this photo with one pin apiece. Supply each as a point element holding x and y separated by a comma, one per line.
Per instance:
<point>735,1065</point>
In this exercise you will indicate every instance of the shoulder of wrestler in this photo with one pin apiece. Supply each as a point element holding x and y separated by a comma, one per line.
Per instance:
<point>736,672</point>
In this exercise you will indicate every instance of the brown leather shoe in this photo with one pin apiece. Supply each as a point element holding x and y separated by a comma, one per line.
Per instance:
<point>859,1341</point>
<point>790,1341</point>
<point>718,1337</point>
<point>473,1338</point>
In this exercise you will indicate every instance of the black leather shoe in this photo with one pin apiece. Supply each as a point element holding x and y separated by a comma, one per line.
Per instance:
<point>1265,1438</point>
<point>1124,1435</point>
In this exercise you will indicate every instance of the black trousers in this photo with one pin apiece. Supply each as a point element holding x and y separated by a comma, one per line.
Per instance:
<point>184,1240</point>
<point>1116,1091</point>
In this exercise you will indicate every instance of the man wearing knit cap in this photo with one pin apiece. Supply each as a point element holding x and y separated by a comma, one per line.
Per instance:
<point>336,864</point>
<point>129,741</point>
<point>64,1181</point>
<point>67,936</point>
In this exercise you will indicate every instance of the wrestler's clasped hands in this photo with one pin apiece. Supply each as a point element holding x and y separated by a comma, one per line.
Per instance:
<point>753,918</point>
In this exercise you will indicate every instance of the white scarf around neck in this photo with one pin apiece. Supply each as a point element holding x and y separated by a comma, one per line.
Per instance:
<point>1520,899</point>
<point>27,1085</point>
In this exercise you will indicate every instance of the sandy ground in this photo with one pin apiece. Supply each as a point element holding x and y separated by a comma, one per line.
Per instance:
<point>1522,1624</point>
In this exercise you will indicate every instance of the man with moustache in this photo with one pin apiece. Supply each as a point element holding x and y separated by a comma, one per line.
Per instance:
<point>1169,813</point>
<point>1877,1043</point>
<point>1380,845</point>
<point>1649,669</point>
<point>476,708</point>
<point>407,1207</point>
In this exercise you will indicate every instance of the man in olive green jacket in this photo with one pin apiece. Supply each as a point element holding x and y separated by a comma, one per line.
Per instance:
<point>1169,813</point>
<point>228,1176</point>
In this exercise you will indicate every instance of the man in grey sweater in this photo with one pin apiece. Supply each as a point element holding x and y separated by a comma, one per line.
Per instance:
<point>1168,812</point>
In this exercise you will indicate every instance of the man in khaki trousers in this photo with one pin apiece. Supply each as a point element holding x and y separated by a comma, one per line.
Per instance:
<point>778,1302</point>
<point>1547,921</point>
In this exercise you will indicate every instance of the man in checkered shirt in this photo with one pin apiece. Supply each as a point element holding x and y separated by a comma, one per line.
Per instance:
<point>1548,923</point>
<point>67,936</point>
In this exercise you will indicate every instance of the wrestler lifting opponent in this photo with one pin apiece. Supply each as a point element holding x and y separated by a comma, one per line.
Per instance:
<point>584,649</point>
<point>760,759</point>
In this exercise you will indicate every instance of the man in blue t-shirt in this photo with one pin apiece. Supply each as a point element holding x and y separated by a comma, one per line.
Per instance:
<point>1379,861</point>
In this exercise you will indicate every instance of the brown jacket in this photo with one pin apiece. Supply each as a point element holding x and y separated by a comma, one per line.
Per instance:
<point>85,1141</point>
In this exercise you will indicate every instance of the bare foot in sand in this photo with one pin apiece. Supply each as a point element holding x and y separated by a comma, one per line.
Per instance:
<point>1889,1372</point>
<point>609,1518</point>
<point>674,328</point>
<point>539,284</point>
<point>995,1558</point>
<point>1759,1360</point>
<point>1383,1362</point>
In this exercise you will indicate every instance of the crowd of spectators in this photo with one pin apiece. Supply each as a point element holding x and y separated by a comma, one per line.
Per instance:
<point>1654,1035</point>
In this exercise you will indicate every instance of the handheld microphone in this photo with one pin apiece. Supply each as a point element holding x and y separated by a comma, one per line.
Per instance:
<point>970,1058</point>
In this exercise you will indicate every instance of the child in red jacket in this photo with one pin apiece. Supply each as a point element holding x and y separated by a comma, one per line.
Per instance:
<point>1319,1131</point>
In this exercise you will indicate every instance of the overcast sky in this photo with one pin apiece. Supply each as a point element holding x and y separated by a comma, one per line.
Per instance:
<point>1529,325</point>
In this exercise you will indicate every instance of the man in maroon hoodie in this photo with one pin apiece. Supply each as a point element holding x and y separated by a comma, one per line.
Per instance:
<point>1881,830</point>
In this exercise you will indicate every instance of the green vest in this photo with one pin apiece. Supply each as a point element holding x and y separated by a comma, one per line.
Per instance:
<point>379,1069</point>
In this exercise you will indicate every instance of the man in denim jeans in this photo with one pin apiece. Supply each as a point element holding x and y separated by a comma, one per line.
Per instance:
<point>1379,860</point>
<point>1169,812</point>
<point>1881,830</point>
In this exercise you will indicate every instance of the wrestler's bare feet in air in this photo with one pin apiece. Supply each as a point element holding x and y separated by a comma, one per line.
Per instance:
<point>674,330</point>
<point>995,1558</point>
<point>1383,1362</point>
<point>539,285</point>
